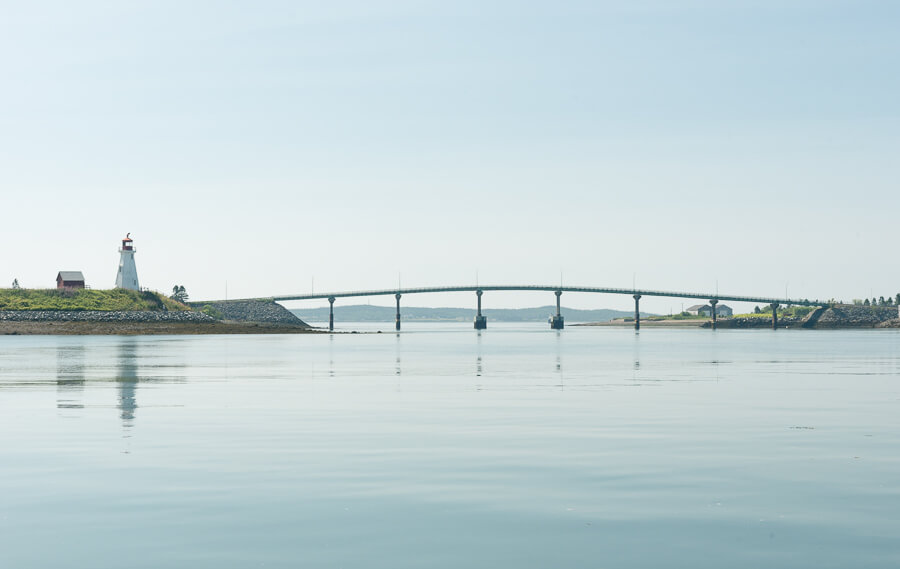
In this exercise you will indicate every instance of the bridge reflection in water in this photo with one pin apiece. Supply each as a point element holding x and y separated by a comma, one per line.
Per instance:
<point>556,321</point>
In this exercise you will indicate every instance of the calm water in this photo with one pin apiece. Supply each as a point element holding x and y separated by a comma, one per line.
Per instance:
<point>440,447</point>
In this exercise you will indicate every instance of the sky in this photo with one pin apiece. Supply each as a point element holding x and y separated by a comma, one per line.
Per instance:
<point>279,147</point>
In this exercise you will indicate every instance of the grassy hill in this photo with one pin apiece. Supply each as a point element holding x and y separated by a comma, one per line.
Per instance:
<point>85,299</point>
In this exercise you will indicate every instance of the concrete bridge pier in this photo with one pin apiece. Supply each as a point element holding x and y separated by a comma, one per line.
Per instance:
<point>397,323</point>
<point>480,321</point>
<point>775,316</point>
<point>714,302</point>
<point>556,322</point>
<point>331,314</point>
<point>637,312</point>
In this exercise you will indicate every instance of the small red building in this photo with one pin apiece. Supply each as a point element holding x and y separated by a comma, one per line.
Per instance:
<point>69,279</point>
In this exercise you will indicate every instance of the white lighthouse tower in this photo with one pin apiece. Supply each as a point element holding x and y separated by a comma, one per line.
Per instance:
<point>127,277</point>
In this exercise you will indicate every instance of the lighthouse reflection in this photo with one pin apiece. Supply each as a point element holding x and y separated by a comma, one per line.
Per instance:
<point>87,369</point>
<point>127,378</point>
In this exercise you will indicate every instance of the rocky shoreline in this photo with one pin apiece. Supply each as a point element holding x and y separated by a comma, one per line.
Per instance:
<point>743,323</point>
<point>838,316</point>
<point>145,328</point>
<point>268,317</point>
<point>237,317</point>
<point>251,311</point>
<point>854,316</point>
<point>101,316</point>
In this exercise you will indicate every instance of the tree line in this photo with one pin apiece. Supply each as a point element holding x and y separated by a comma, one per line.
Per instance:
<point>880,301</point>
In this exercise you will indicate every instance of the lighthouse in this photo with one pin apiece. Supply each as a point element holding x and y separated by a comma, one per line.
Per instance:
<point>127,277</point>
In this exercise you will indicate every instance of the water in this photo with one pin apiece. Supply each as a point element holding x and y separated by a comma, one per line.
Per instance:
<point>442,447</point>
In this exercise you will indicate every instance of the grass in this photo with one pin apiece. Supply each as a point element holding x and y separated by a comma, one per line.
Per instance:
<point>679,316</point>
<point>210,310</point>
<point>86,299</point>
<point>789,311</point>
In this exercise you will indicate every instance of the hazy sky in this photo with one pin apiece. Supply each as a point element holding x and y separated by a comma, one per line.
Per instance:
<point>752,144</point>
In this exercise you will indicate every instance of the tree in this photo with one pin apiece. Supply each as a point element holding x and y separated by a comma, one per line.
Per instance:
<point>880,301</point>
<point>179,293</point>
<point>16,285</point>
<point>897,298</point>
<point>756,310</point>
<point>866,302</point>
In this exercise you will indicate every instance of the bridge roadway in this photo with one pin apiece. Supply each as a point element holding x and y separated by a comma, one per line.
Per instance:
<point>556,321</point>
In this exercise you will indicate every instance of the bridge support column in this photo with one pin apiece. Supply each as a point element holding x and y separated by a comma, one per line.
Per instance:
<point>397,323</point>
<point>480,321</point>
<point>331,314</point>
<point>556,322</point>
<point>637,312</point>
<point>775,316</point>
<point>715,315</point>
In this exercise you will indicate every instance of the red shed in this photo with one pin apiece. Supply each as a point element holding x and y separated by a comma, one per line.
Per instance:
<point>69,279</point>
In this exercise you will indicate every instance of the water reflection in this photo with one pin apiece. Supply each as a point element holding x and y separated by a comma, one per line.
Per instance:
<point>397,369</point>
<point>70,377</point>
<point>331,356</point>
<point>127,378</point>
<point>559,366</point>
<point>478,361</point>
<point>637,351</point>
<point>636,357</point>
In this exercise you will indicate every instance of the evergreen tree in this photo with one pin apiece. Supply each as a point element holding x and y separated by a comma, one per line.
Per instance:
<point>866,302</point>
<point>179,293</point>
<point>16,285</point>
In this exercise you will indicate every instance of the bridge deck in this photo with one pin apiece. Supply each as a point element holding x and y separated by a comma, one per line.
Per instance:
<point>600,290</point>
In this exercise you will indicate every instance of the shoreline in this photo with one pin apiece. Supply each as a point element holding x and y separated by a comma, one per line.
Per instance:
<point>648,323</point>
<point>124,328</point>
<point>756,324</point>
<point>247,317</point>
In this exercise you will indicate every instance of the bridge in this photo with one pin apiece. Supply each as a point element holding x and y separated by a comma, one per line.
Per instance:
<point>556,322</point>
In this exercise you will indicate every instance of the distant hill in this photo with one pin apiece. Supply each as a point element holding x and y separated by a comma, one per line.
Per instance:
<point>368,313</point>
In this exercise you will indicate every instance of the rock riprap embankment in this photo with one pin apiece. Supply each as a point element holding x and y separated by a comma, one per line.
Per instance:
<point>101,316</point>
<point>755,322</point>
<point>836,316</point>
<point>252,311</point>
<point>855,316</point>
